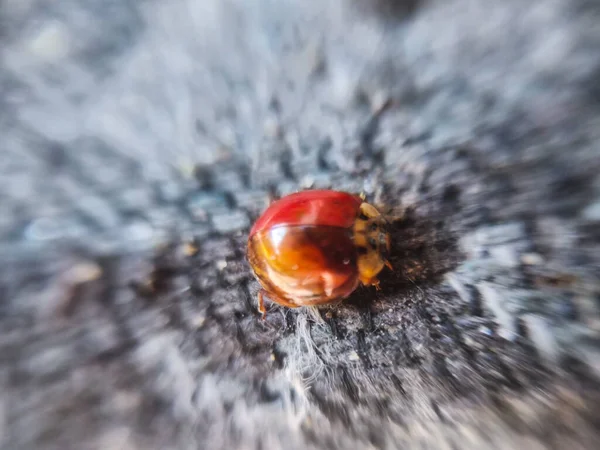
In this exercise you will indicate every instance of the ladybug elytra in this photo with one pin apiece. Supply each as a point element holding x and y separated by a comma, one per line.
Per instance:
<point>315,247</point>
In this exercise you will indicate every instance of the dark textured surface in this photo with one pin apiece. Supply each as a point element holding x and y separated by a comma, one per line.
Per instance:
<point>140,140</point>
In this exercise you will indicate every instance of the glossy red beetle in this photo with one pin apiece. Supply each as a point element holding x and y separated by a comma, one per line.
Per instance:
<point>315,247</point>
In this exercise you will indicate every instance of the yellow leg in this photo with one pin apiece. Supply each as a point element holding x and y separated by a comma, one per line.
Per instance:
<point>274,298</point>
<point>375,283</point>
<point>261,304</point>
<point>371,282</point>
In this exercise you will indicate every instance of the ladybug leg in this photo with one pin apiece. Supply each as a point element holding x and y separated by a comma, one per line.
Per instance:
<point>375,282</point>
<point>275,299</point>
<point>371,282</point>
<point>261,304</point>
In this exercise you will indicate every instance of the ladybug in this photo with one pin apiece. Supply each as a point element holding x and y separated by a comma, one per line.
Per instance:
<point>316,247</point>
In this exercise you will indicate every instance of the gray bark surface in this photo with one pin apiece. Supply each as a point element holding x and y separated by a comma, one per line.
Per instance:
<point>141,139</point>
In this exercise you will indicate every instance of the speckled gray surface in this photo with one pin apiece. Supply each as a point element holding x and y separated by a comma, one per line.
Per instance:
<point>140,140</point>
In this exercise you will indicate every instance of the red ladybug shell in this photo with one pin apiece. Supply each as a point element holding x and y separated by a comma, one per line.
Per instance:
<point>313,208</point>
<point>315,247</point>
<point>302,250</point>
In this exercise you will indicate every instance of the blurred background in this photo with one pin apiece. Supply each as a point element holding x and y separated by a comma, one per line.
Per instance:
<point>141,139</point>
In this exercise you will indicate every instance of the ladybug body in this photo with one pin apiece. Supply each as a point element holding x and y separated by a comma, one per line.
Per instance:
<point>316,247</point>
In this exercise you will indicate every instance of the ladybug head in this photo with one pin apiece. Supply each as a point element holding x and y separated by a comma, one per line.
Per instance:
<point>372,241</point>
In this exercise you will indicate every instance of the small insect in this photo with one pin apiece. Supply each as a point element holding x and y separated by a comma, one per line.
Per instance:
<point>316,247</point>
